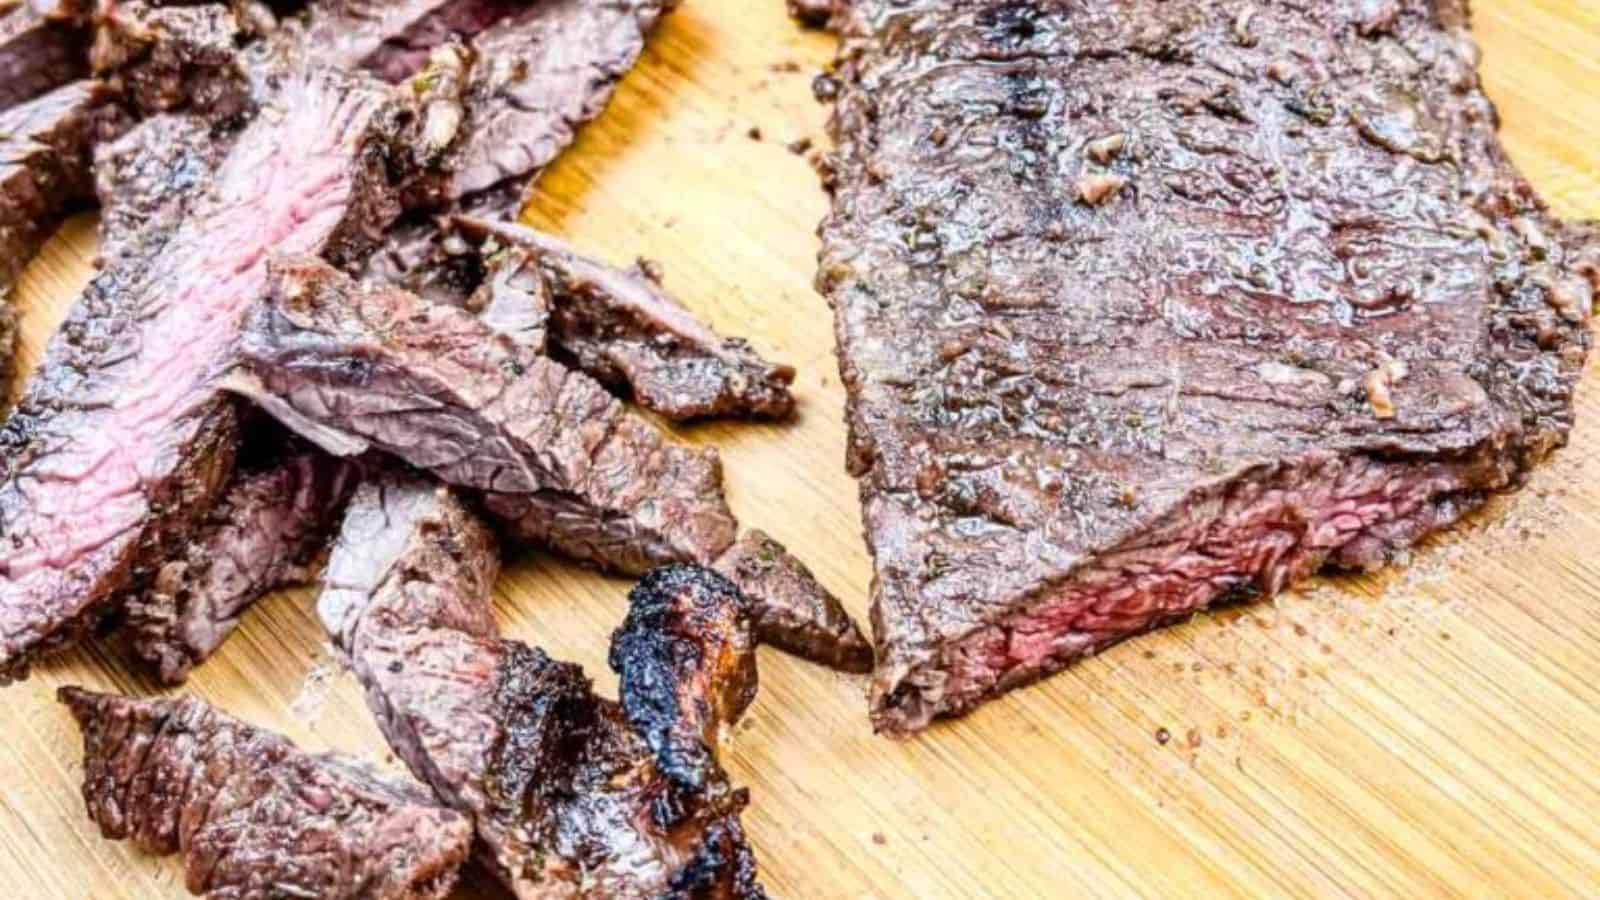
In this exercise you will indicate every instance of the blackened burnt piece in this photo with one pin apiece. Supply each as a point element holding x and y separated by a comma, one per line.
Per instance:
<point>42,47</point>
<point>46,146</point>
<point>1145,304</point>
<point>270,526</point>
<point>163,57</point>
<point>622,328</point>
<point>255,817</point>
<point>123,441</point>
<point>567,798</point>
<point>560,461</point>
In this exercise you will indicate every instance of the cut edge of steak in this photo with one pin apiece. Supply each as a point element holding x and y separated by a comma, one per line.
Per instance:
<point>252,814</point>
<point>42,47</point>
<point>264,534</point>
<point>624,329</point>
<point>566,797</point>
<point>164,57</point>
<point>561,462</point>
<point>121,445</point>
<point>1096,385</point>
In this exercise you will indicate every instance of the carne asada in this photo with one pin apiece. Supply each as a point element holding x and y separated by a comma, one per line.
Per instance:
<point>253,815</point>
<point>43,46</point>
<point>624,330</point>
<point>567,798</point>
<point>164,57</point>
<point>1141,305</point>
<point>265,533</point>
<point>394,40</point>
<point>793,611</point>
<point>46,145</point>
<point>124,442</point>
<point>353,367</point>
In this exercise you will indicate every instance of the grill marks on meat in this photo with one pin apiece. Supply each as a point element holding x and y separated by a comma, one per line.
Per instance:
<point>45,151</point>
<point>623,329</point>
<point>554,456</point>
<point>124,442</point>
<point>265,534</point>
<point>792,610</point>
<point>567,799</point>
<point>42,45</point>
<point>1321,317</point>
<point>254,816</point>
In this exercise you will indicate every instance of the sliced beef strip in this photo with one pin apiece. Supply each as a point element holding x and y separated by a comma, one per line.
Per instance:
<point>265,534</point>
<point>514,299</point>
<point>148,179</point>
<point>561,462</point>
<point>792,610</point>
<point>123,442</point>
<point>255,817</point>
<point>1144,304</point>
<point>46,145</point>
<point>622,328</point>
<point>42,47</point>
<point>393,39</point>
<point>568,800</point>
<point>164,57</point>
<point>539,76</point>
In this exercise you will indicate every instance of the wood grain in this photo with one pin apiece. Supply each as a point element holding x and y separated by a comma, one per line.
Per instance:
<point>1429,732</point>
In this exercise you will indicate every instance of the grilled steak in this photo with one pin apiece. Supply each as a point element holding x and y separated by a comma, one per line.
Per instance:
<point>514,299</point>
<point>1145,304</point>
<point>393,40</point>
<point>568,800</point>
<point>624,330</point>
<point>265,533</point>
<point>255,817</point>
<point>42,47</point>
<point>559,460</point>
<point>46,146</point>
<point>165,56</point>
<point>792,610</point>
<point>123,442</point>
<point>148,179</point>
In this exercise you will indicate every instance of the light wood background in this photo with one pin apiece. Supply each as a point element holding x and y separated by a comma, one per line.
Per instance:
<point>1432,732</point>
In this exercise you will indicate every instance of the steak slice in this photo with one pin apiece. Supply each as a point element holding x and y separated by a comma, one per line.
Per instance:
<point>164,57</point>
<point>560,461</point>
<point>622,328</point>
<point>568,800</point>
<point>265,534</point>
<point>45,150</point>
<point>792,610</point>
<point>42,47</point>
<point>1145,304</point>
<point>253,815</point>
<point>393,40</point>
<point>124,441</point>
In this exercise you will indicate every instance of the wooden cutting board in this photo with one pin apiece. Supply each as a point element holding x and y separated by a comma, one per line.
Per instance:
<point>1431,732</point>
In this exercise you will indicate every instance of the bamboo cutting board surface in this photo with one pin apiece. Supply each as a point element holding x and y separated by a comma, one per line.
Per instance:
<point>1434,731</point>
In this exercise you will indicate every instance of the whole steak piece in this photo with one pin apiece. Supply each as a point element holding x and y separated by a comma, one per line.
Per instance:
<point>124,441</point>
<point>255,817</point>
<point>1142,305</point>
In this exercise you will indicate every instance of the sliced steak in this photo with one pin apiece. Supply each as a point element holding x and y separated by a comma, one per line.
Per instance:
<point>165,57</point>
<point>43,45</point>
<point>568,800</point>
<point>123,442</point>
<point>556,458</point>
<point>46,145</point>
<point>253,815</point>
<point>622,328</point>
<point>1145,304</point>
<point>265,534</point>
<point>514,299</point>
<point>148,179</point>
<point>393,40</point>
<point>792,610</point>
